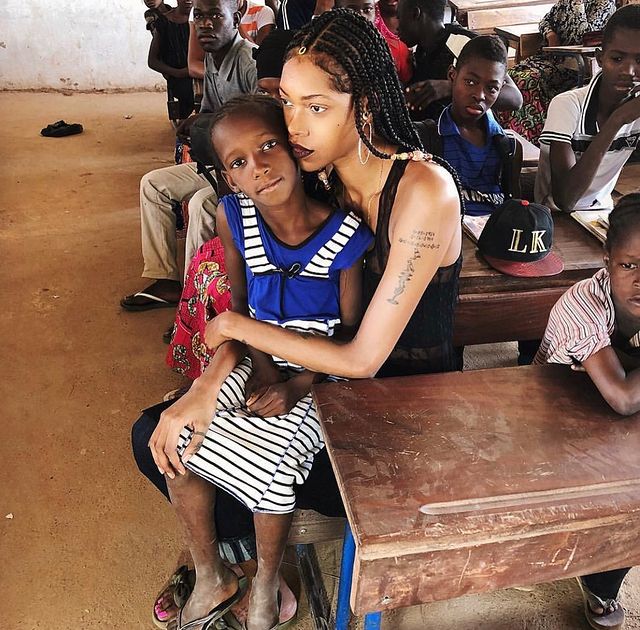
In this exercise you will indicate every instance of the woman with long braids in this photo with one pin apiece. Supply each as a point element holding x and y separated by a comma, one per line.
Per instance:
<point>347,120</point>
<point>345,110</point>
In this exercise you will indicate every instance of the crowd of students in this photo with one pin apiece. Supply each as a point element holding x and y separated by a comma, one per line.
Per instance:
<point>329,246</point>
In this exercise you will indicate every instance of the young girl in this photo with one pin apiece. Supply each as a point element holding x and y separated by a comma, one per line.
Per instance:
<point>595,326</point>
<point>291,262</point>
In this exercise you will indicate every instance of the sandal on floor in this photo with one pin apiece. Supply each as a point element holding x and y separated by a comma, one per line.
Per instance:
<point>613,616</point>
<point>209,621</point>
<point>128,302</point>
<point>177,589</point>
<point>60,129</point>
<point>281,625</point>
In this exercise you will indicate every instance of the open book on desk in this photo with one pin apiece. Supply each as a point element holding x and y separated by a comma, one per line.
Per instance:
<point>473,226</point>
<point>595,221</point>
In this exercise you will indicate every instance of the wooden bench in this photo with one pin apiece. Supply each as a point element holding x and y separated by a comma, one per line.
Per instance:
<point>308,529</point>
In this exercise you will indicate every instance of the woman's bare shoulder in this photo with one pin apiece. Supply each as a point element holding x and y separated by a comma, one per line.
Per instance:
<point>430,186</point>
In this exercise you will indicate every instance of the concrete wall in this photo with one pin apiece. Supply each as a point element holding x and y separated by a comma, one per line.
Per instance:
<point>74,45</point>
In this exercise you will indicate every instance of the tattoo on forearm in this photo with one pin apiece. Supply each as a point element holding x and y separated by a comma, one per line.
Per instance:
<point>419,240</point>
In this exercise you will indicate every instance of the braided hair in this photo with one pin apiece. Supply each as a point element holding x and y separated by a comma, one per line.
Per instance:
<point>624,219</point>
<point>357,58</point>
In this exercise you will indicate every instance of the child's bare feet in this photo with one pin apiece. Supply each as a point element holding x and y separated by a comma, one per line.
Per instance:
<point>208,592</point>
<point>263,604</point>
<point>288,604</point>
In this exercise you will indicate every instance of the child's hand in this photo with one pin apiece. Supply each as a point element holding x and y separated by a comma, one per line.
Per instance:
<point>194,410</point>
<point>278,399</point>
<point>629,111</point>
<point>264,372</point>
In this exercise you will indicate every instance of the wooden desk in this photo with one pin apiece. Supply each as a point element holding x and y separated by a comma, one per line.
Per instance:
<point>486,14</point>
<point>530,152</point>
<point>494,307</point>
<point>469,482</point>
<point>524,38</point>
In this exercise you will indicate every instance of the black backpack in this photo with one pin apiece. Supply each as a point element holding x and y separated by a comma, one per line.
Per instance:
<point>506,146</point>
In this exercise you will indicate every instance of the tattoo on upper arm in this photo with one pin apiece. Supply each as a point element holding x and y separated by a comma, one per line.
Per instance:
<point>419,240</point>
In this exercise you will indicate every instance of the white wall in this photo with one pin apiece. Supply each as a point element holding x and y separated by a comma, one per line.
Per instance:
<point>74,44</point>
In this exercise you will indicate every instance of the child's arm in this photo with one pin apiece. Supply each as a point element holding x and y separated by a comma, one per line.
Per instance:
<point>155,63</point>
<point>619,389</point>
<point>280,398</point>
<point>197,407</point>
<point>570,179</point>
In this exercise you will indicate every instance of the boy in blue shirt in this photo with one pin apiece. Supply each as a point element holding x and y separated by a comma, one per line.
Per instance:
<point>488,162</point>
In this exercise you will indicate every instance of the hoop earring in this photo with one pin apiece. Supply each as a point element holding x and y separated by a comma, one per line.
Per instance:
<point>366,122</point>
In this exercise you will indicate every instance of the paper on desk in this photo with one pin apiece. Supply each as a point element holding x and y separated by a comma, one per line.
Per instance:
<point>473,226</point>
<point>595,221</point>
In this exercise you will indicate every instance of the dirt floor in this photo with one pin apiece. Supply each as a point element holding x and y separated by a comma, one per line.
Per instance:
<point>85,543</point>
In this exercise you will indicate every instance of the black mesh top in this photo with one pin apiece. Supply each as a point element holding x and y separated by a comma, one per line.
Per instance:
<point>426,344</point>
<point>174,41</point>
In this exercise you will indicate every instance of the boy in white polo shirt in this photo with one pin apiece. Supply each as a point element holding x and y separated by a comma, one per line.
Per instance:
<point>591,132</point>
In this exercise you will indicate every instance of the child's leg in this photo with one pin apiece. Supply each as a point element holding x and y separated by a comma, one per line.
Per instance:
<point>194,499</point>
<point>272,531</point>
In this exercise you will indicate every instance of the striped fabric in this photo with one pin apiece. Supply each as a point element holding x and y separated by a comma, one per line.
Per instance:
<point>257,460</point>
<point>581,323</point>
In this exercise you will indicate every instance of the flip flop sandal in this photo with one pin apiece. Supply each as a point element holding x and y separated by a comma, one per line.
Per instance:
<point>153,302</point>
<point>177,588</point>
<point>281,625</point>
<point>60,129</point>
<point>209,621</point>
<point>613,616</point>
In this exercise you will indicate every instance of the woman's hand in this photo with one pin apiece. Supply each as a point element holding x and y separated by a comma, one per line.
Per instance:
<point>194,410</point>
<point>216,331</point>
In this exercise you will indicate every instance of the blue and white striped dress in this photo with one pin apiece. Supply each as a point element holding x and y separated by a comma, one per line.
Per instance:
<point>256,459</point>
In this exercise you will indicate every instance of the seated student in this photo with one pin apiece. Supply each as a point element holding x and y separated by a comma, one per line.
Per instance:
<point>168,56</point>
<point>293,262</point>
<point>486,160</point>
<point>595,326</point>
<point>592,131</point>
<point>258,20</point>
<point>229,71</point>
<point>421,24</point>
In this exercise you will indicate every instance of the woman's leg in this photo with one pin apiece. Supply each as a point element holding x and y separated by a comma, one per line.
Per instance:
<point>272,531</point>
<point>194,499</point>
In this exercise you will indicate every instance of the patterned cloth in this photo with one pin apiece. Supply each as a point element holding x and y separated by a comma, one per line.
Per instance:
<point>540,77</point>
<point>205,294</point>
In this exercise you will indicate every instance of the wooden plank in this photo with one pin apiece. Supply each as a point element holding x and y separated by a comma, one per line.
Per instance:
<point>399,446</point>
<point>504,16</point>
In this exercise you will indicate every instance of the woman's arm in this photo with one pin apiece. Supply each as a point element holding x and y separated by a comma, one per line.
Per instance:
<point>423,238</point>
<point>619,389</point>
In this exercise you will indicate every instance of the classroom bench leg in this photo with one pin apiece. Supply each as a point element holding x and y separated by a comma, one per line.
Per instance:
<point>343,612</point>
